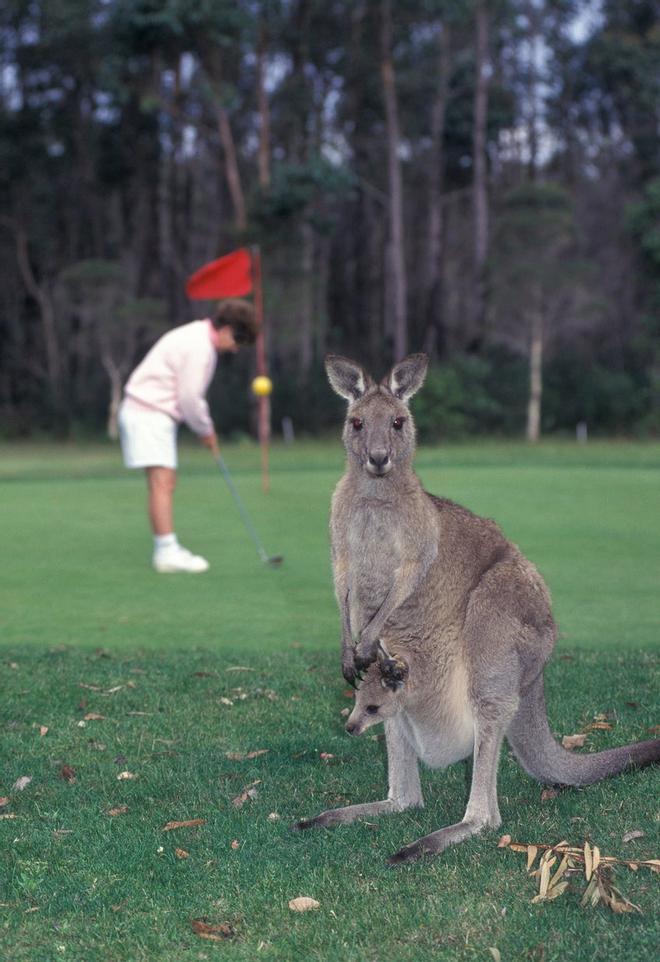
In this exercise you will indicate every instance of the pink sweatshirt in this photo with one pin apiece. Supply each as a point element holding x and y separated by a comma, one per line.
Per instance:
<point>175,375</point>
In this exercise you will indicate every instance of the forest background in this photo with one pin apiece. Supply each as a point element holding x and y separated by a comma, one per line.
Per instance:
<point>478,179</point>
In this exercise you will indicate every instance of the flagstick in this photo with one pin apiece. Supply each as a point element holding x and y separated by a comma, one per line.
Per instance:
<point>264,401</point>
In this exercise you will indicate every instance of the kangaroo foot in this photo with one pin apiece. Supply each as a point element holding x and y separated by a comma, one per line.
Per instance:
<point>435,843</point>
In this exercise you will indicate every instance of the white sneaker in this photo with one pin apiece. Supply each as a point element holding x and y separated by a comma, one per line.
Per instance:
<point>174,558</point>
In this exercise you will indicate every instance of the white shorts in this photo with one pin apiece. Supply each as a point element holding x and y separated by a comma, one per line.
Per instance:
<point>148,438</point>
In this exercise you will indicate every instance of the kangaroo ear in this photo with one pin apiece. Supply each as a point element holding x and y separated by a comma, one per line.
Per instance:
<point>347,378</point>
<point>406,378</point>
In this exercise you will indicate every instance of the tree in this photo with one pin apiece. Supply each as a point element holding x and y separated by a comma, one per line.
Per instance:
<point>537,282</point>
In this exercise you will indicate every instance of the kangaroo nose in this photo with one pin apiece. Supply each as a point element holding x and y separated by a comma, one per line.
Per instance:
<point>350,727</point>
<point>378,458</point>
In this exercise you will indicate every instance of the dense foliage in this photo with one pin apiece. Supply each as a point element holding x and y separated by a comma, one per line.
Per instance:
<point>479,179</point>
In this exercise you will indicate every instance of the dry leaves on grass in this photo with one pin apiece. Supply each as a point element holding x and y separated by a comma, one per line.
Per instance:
<point>190,823</point>
<point>4,801</point>
<point>119,810</point>
<point>21,783</point>
<point>570,742</point>
<point>127,777</point>
<point>573,861</point>
<point>214,931</point>
<point>238,757</point>
<point>249,792</point>
<point>633,834</point>
<point>181,853</point>
<point>548,794</point>
<point>303,904</point>
<point>68,773</point>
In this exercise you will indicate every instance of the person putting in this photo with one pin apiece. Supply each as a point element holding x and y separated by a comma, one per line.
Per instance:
<point>169,386</point>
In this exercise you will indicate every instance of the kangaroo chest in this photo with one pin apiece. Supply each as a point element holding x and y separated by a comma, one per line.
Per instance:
<point>375,539</point>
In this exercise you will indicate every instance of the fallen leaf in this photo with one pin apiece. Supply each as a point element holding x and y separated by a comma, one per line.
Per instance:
<point>250,791</point>
<point>8,815</point>
<point>181,853</point>
<point>215,932</point>
<point>573,741</point>
<point>21,783</point>
<point>273,817</point>
<point>532,852</point>
<point>235,844</point>
<point>126,777</point>
<point>633,834</point>
<point>226,701</point>
<point>68,773</point>
<point>548,794</point>
<point>238,757</point>
<point>495,953</point>
<point>93,716</point>
<point>119,810</point>
<point>326,757</point>
<point>303,904</point>
<point>190,823</point>
<point>504,841</point>
<point>4,801</point>
<point>43,730</point>
<point>345,712</point>
<point>588,862</point>
<point>655,729</point>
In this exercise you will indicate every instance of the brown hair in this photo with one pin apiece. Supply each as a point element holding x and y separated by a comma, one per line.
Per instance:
<point>238,314</point>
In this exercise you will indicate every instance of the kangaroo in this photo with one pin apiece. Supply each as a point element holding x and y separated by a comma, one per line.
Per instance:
<point>457,619</point>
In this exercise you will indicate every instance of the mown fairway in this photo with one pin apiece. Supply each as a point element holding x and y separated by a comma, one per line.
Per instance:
<point>82,614</point>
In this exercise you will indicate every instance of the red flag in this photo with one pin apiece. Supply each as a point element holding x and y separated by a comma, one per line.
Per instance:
<point>228,276</point>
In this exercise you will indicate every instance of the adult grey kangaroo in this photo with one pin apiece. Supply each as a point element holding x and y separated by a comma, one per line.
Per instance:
<point>459,621</point>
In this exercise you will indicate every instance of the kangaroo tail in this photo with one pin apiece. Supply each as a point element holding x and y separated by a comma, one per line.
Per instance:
<point>542,757</point>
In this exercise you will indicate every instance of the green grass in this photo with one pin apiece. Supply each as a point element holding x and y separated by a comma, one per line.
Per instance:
<point>79,604</point>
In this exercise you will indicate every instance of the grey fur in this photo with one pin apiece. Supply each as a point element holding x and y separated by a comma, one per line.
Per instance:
<point>451,623</point>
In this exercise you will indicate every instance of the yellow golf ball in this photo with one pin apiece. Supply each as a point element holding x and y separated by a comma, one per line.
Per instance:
<point>262,385</point>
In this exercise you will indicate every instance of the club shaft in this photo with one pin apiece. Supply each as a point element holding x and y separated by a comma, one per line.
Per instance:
<point>241,508</point>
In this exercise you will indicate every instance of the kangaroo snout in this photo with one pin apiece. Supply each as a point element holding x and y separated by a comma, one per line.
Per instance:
<point>379,461</point>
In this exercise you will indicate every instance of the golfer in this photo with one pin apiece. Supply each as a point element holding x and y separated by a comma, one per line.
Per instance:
<point>167,387</point>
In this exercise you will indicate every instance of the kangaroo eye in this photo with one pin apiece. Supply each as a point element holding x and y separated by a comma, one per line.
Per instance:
<point>357,424</point>
<point>398,423</point>
<point>371,709</point>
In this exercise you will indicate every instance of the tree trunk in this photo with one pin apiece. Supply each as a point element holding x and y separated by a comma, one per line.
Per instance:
<point>306,331</point>
<point>263,162</point>
<point>480,196</point>
<point>43,297</point>
<point>433,278</point>
<point>232,169</point>
<point>115,375</point>
<point>535,377</point>
<point>396,248</point>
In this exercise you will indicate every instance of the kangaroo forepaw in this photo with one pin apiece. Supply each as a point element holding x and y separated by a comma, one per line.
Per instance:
<point>350,673</point>
<point>365,657</point>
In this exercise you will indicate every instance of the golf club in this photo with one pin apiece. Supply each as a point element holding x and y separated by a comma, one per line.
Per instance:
<point>273,560</point>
